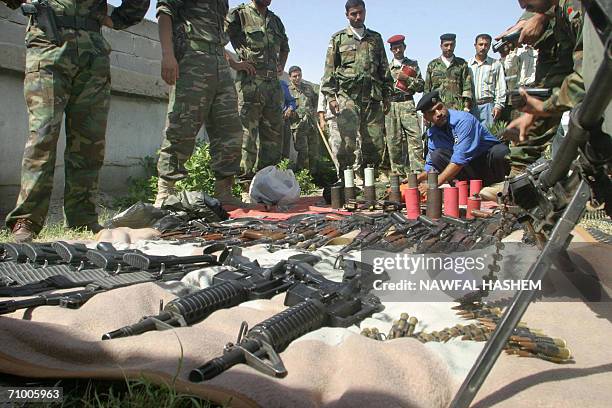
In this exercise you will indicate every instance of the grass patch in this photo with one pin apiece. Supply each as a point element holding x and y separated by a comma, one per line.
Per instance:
<point>87,393</point>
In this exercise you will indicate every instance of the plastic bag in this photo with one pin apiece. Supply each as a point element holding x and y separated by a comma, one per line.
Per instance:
<point>272,186</point>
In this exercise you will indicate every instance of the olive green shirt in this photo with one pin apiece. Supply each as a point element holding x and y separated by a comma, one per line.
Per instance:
<point>414,85</point>
<point>357,68</point>
<point>201,20</point>
<point>257,39</point>
<point>130,12</point>
<point>454,82</point>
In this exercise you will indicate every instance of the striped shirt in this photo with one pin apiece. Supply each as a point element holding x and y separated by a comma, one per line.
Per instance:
<point>489,81</point>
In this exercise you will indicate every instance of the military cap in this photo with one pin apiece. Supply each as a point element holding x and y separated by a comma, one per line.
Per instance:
<point>448,37</point>
<point>428,101</point>
<point>396,39</point>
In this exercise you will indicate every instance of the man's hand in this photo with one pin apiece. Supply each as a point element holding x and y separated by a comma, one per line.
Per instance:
<point>334,107</point>
<point>532,105</point>
<point>169,69</point>
<point>107,21</point>
<point>386,106</point>
<point>533,29</point>
<point>496,113</point>
<point>522,124</point>
<point>423,189</point>
<point>322,120</point>
<point>243,66</point>
<point>402,76</point>
<point>519,25</point>
<point>288,113</point>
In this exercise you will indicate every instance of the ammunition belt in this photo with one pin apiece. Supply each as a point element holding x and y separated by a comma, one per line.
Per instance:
<point>77,23</point>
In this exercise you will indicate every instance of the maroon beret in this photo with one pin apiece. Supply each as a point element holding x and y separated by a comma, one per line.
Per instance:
<point>396,39</point>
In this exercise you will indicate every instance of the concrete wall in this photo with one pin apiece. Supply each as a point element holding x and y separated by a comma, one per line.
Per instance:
<point>137,111</point>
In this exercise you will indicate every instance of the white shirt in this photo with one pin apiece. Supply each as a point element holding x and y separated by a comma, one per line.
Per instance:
<point>358,32</point>
<point>527,58</point>
<point>447,62</point>
<point>489,80</point>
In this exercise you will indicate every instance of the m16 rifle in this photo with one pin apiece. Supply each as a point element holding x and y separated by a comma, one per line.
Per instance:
<point>229,288</point>
<point>315,303</point>
<point>554,198</point>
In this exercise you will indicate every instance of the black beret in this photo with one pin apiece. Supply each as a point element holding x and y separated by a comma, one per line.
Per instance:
<point>448,37</point>
<point>428,101</point>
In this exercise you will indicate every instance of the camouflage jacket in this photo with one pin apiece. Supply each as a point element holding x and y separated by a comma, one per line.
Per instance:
<point>306,100</point>
<point>201,20</point>
<point>357,68</point>
<point>415,84</point>
<point>568,23</point>
<point>454,82</point>
<point>256,39</point>
<point>130,12</point>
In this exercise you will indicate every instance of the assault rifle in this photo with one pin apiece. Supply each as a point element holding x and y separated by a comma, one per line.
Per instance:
<point>315,303</point>
<point>75,299</point>
<point>554,199</point>
<point>229,288</point>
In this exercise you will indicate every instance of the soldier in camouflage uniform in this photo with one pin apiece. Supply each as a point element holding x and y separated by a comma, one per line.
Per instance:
<point>303,125</point>
<point>402,123</point>
<point>258,37</point>
<point>71,76</point>
<point>563,72</point>
<point>357,85</point>
<point>451,76</point>
<point>195,64</point>
<point>558,38</point>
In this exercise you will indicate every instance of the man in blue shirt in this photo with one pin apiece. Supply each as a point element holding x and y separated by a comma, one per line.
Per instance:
<point>289,108</point>
<point>459,146</point>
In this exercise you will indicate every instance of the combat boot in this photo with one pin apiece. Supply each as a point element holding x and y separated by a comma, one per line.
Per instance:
<point>223,193</point>
<point>165,188</point>
<point>23,231</point>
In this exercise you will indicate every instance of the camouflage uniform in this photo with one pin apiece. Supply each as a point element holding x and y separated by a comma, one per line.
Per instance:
<point>260,41</point>
<point>402,124</point>
<point>304,128</point>
<point>71,78</point>
<point>559,66</point>
<point>204,92</point>
<point>357,77</point>
<point>454,82</point>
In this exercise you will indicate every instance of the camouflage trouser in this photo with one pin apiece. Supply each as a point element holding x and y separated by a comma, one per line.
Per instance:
<point>260,105</point>
<point>204,94</point>
<point>404,138</point>
<point>362,133</point>
<point>539,138</point>
<point>306,142</point>
<point>73,79</point>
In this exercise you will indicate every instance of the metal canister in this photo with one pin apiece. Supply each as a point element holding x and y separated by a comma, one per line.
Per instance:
<point>412,180</point>
<point>434,203</point>
<point>395,194</point>
<point>337,197</point>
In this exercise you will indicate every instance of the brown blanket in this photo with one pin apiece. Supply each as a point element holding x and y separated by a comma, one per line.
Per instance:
<point>331,367</point>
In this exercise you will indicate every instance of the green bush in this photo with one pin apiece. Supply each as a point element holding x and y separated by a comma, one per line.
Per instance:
<point>303,177</point>
<point>200,177</point>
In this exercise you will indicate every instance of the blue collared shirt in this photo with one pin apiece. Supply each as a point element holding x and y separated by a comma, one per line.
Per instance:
<point>289,101</point>
<point>464,135</point>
